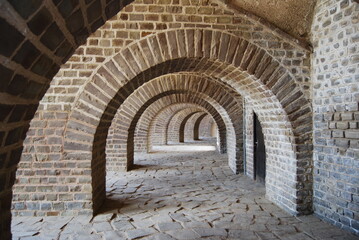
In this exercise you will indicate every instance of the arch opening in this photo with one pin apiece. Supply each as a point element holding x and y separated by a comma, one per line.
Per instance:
<point>247,69</point>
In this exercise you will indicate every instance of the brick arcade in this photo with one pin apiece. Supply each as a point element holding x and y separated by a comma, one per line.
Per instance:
<point>87,85</point>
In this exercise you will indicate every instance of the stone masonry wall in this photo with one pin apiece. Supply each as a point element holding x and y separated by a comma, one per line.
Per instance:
<point>249,138</point>
<point>336,115</point>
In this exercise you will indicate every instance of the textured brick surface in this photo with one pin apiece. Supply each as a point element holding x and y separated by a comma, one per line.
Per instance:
<point>131,61</point>
<point>62,167</point>
<point>335,93</point>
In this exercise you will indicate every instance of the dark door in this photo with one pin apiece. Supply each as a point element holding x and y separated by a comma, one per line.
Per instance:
<point>259,152</point>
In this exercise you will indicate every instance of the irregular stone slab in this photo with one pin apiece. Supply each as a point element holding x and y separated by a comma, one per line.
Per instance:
<point>184,234</point>
<point>144,223</point>
<point>171,190</point>
<point>207,232</point>
<point>179,217</point>
<point>159,236</point>
<point>242,234</point>
<point>112,235</point>
<point>168,226</point>
<point>196,225</point>
<point>137,233</point>
<point>161,218</point>
<point>17,234</point>
<point>103,217</point>
<point>57,223</point>
<point>102,226</point>
<point>122,225</point>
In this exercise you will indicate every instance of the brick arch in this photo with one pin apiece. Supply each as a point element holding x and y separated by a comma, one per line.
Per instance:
<point>157,128</point>
<point>119,157</point>
<point>248,69</point>
<point>177,124</point>
<point>66,28</point>
<point>183,125</point>
<point>152,126</point>
<point>271,89</point>
<point>183,83</point>
<point>190,127</point>
<point>40,36</point>
<point>196,126</point>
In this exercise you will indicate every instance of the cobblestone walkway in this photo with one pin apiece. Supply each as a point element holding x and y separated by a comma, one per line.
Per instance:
<point>181,196</point>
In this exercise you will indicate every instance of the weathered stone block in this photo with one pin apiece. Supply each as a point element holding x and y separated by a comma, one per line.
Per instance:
<point>354,134</point>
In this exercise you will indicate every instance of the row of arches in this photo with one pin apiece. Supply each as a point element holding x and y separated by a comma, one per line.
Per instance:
<point>67,67</point>
<point>190,66</point>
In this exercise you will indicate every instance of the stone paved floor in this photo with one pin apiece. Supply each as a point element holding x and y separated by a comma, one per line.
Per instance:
<point>181,196</point>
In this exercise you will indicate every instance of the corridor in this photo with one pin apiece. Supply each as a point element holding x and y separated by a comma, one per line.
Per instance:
<point>188,195</point>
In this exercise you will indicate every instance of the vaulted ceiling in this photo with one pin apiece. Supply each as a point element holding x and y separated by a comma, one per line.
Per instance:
<point>292,16</point>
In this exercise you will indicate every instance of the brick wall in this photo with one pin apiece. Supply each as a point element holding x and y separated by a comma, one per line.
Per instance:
<point>249,138</point>
<point>336,117</point>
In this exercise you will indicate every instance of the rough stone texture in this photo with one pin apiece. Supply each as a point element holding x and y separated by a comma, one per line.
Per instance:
<point>294,17</point>
<point>335,92</point>
<point>181,196</point>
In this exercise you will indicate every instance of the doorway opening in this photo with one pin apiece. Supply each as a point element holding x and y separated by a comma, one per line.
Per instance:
<point>259,151</point>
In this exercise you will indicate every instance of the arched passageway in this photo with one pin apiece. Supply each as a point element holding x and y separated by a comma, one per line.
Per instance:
<point>232,71</point>
<point>243,62</point>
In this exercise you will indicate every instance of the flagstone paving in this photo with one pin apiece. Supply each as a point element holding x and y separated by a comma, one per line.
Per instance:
<point>181,196</point>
